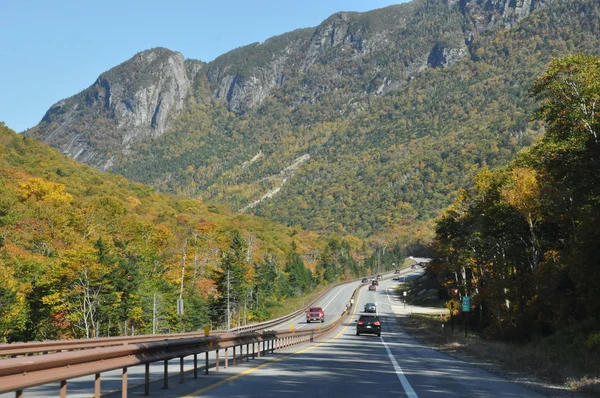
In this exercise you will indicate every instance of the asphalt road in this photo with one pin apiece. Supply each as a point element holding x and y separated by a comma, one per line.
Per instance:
<point>342,365</point>
<point>333,302</point>
<point>347,365</point>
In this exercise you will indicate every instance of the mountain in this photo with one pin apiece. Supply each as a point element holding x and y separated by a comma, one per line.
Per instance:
<point>367,124</point>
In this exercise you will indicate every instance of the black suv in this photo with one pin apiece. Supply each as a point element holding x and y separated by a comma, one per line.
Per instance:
<point>368,324</point>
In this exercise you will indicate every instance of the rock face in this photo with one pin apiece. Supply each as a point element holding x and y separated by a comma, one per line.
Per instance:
<point>133,101</point>
<point>487,14</point>
<point>376,51</point>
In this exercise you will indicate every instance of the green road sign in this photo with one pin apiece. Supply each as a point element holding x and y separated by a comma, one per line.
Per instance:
<point>466,304</point>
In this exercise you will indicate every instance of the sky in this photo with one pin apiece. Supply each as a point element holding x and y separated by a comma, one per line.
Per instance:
<point>51,50</point>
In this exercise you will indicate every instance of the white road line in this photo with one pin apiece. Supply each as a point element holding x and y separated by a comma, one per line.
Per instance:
<point>330,301</point>
<point>403,380</point>
<point>326,305</point>
<point>388,294</point>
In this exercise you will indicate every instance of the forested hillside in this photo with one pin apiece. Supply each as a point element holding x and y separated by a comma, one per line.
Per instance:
<point>368,124</point>
<point>523,242</point>
<point>84,253</point>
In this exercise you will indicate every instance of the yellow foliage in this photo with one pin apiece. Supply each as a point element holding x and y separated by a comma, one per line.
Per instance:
<point>42,190</point>
<point>523,191</point>
<point>134,202</point>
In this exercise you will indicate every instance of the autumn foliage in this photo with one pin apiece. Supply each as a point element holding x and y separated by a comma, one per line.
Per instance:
<point>524,241</point>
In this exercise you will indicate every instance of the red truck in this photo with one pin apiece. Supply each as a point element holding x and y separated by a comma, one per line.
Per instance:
<point>315,314</point>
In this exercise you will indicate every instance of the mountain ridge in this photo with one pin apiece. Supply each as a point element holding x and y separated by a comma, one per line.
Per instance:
<point>438,96</point>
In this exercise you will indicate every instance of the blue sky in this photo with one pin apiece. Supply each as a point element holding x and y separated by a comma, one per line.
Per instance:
<point>50,50</point>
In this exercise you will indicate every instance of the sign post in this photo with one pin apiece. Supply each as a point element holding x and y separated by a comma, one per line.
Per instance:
<point>466,308</point>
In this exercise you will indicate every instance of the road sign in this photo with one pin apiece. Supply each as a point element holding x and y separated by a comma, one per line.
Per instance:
<point>466,304</point>
<point>206,330</point>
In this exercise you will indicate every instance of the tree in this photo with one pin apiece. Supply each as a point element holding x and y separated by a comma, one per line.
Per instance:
<point>233,280</point>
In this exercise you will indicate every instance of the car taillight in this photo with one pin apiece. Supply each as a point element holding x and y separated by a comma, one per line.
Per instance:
<point>376,323</point>
<point>360,322</point>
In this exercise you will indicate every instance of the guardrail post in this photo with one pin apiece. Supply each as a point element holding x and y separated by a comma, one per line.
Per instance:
<point>206,363</point>
<point>247,352</point>
<point>258,350</point>
<point>147,380</point>
<point>253,349</point>
<point>217,361</point>
<point>226,357</point>
<point>19,394</point>
<point>124,384</point>
<point>166,375</point>
<point>242,353</point>
<point>97,386</point>
<point>63,389</point>
<point>195,366</point>
<point>180,370</point>
<point>233,356</point>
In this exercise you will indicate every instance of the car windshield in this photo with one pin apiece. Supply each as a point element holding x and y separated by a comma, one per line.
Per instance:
<point>368,318</point>
<point>315,309</point>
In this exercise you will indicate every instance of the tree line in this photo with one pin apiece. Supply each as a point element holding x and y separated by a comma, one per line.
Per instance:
<point>523,242</point>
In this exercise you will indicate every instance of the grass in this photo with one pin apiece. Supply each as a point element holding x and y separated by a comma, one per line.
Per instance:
<point>563,365</point>
<point>568,359</point>
<point>290,305</point>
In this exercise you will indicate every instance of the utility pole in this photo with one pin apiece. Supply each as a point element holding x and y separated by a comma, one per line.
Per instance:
<point>228,323</point>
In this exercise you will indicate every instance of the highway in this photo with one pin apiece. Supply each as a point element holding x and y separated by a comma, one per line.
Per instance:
<point>340,365</point>
<point>346,365</point>
<point>334,303</point>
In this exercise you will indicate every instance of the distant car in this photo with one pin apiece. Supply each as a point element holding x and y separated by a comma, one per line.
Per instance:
<point>413,266</point>
<point>396,278</point>
<point>365,280</point>
<point>378,276</point>
<point>397,271</point>
<point>368,324</point>
<point>371,307</point>
<point>373,288</point>
<point>372,278</point>
<point>315,314</point>
<point>375,283</point>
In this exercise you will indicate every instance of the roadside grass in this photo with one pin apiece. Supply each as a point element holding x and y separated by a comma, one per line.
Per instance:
<point>290,305</point>
<point>565,364</point>
<point>569,358</point>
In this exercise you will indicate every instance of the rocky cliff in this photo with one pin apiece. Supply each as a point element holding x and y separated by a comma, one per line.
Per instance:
<point>130,102</point>
<point>371,53</point>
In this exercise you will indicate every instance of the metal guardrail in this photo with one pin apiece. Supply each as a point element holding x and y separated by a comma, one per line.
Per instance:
<point>46,347</point>
<point>17,374</point>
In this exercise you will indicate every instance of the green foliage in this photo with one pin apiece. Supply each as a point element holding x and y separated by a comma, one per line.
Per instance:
<point>523,242</point>
<point>300,278</point>
<point>376,161</point>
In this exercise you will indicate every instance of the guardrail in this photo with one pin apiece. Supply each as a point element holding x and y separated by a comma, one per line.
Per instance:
<point>17,374</point>
<point>46,347</point>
